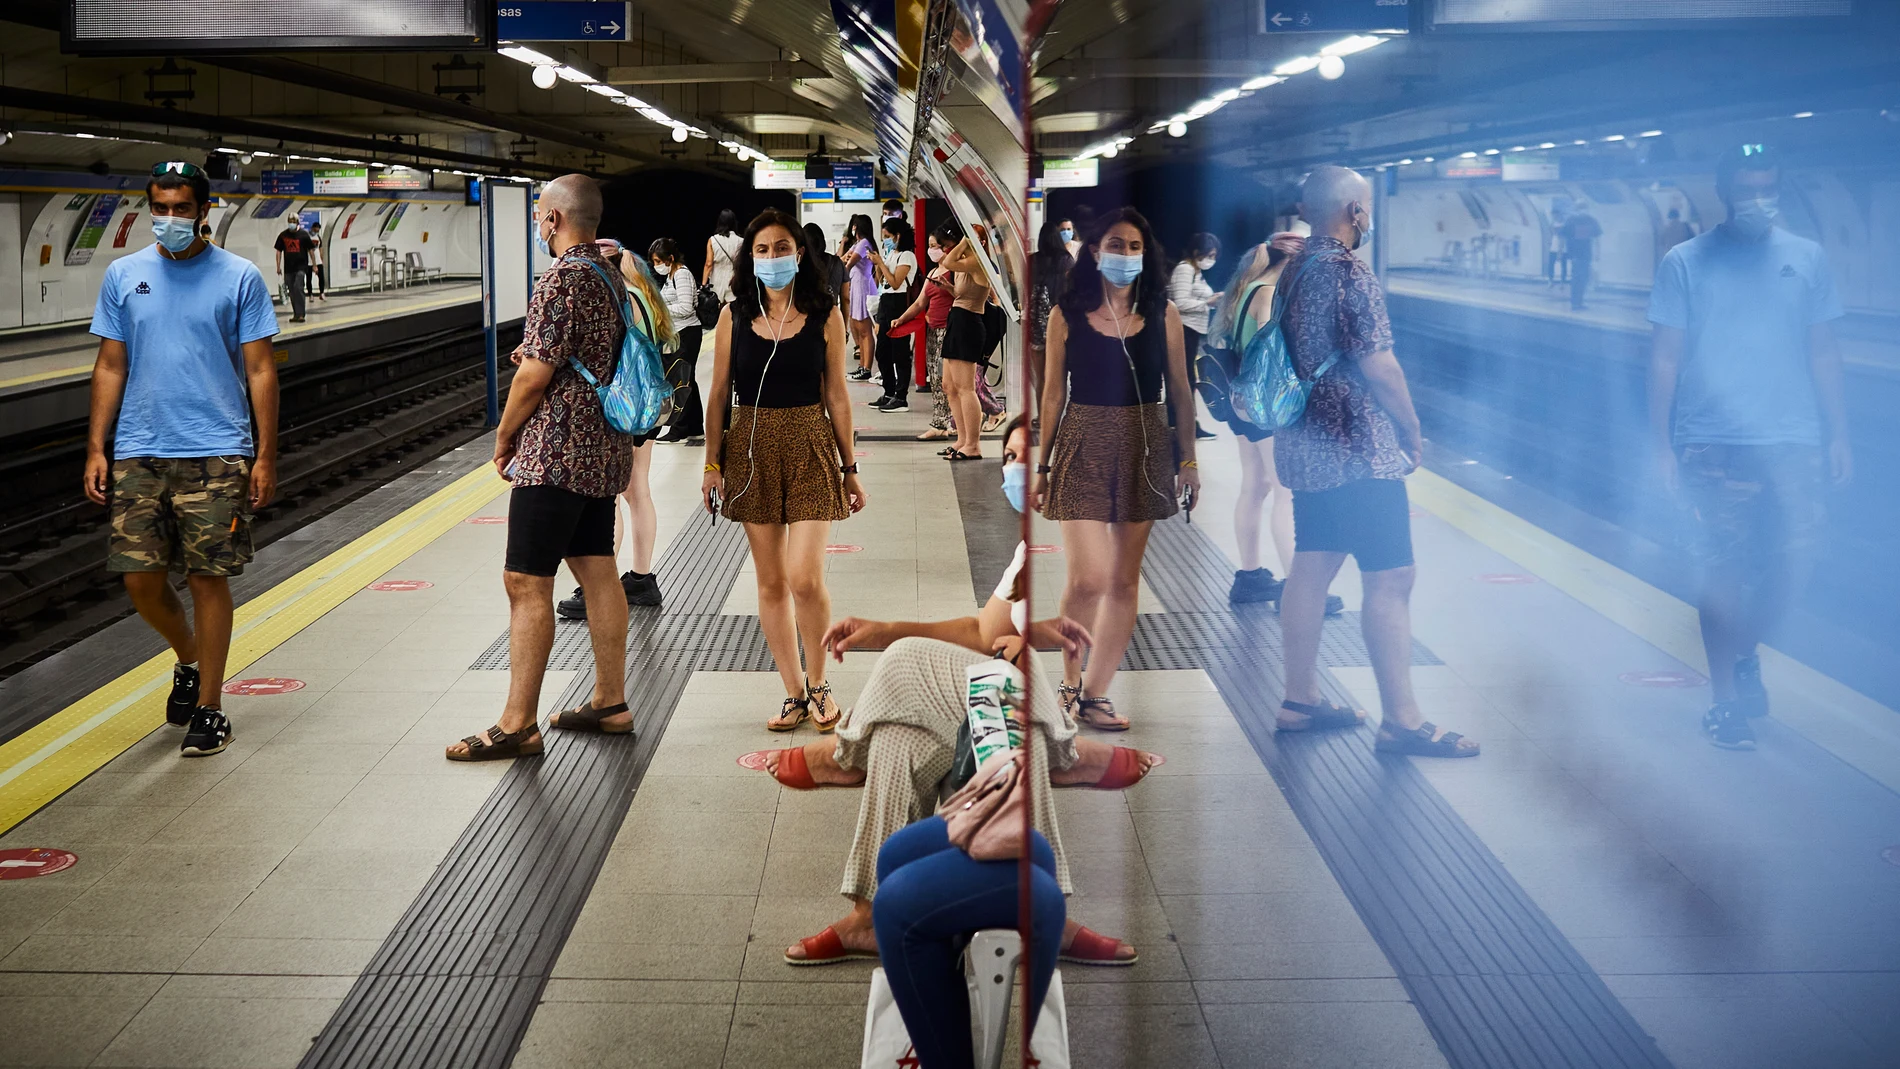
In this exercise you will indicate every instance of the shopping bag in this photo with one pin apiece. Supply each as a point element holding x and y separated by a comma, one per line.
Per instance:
<point>887,1041</point>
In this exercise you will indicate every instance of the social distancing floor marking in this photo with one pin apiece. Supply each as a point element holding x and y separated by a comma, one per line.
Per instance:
<point>54,755</point>
<point>1853,727</point>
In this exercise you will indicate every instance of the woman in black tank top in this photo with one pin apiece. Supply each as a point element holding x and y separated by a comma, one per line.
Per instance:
<point>784,467</point>
<point>1114,350</point>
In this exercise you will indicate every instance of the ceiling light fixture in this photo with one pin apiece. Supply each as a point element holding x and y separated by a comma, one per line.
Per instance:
<point>1802,115</point>
<point>1347,46</point>
<point>1297,65</point>
<point>1177,129</point>
<point>1331,67</point>
<point>679,133</point>
<point>545,78</point>
<point>1253,85</point>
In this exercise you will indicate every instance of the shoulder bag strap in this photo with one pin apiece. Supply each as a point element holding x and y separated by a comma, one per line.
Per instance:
<point>617,292</point>
<point>1279,308</point>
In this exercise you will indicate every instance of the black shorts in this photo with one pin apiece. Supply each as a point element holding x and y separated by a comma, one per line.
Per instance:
<point>1370,519</point>
<point>548,524</point>
<point>965,336</point>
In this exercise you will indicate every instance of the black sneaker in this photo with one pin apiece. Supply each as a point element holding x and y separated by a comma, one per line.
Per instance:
<point>641,589</point>
<point>861,375</point>
<point>574,608</point>
<point>1202,432</point>
<point>209,733</point>
<point>895,404</point>
<point>1254,586</point>
<point>879,403</point>
<point>1727,727</point>
<point>1750,696</point>
<point>183,700</point>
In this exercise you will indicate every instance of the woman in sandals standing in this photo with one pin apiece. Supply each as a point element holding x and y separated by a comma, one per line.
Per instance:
<point>785,467</point>
<point>965,340</point>
<point>1108,469</point>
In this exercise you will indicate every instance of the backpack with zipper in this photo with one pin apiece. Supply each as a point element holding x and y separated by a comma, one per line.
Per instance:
<point>1218,360</point>
<point>1269,391</point>
<point>638,398</point>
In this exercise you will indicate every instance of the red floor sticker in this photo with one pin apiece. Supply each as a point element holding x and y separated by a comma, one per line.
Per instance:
<point>1667,678</point>
<point>1506,578</point>
<point>861,453</point>
<point>486,519</point>
<point>402,584</point>
<point>27,862</point>
<point>263,685</point>
<point>1045,549</point>
<point>755,761</point>
<point>840,547</point>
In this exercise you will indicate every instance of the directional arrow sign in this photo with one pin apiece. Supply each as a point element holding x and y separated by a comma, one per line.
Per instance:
<point>1333,16</point>
<point>563,20</point>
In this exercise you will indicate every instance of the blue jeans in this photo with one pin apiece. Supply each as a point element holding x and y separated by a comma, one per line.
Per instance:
<point>931,896</point>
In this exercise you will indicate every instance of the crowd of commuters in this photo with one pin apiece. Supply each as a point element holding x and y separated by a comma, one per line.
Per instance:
<point>182,447</point>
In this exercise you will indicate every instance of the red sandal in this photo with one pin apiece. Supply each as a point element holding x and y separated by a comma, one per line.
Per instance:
<point>1093,948</point>
<point>1124,769</point>
<point>826,948</point>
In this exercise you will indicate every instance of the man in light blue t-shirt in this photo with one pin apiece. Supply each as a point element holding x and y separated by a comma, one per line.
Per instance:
<point>1749,420</point>
<point>183,442</point>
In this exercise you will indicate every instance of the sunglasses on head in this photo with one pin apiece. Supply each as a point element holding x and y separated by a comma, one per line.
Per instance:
<point>179,167</point>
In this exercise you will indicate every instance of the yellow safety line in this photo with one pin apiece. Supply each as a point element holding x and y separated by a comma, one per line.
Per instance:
<point>1853,727</point>
<point>293,332</point>
<point>52,756</point>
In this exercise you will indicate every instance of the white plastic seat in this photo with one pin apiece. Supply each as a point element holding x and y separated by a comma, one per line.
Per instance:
<point>990,965</point>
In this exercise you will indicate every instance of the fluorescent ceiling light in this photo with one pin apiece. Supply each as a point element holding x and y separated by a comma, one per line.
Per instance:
<point>1490,152</point>
<point>604,90</point>
<point>1802,115</point>
<point>1297,65</point>
<point>1255,84</point>
<point>1429,159</point>
<point>1467,155</point>
<point>1227,96</point>
<point>526,55</point>
<point>569,74</point>
<point>1405,163</point>
<point>633,101</point>
<point>1548,144</point>
<point>1580,141</point>
<point>1650,133</point>
<point>1517,148</point>
<point>1614,137</point>
<point>1346,46</point>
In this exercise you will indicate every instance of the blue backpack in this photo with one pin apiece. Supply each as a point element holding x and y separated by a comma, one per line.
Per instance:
<point>638,398</point>
<point>1269,391</point>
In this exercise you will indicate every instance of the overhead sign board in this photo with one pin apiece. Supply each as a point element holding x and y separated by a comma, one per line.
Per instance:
<point>157,27</point>
<point>286,183</point>
<point>1517,15</point>
<point>1531,168</point>
<point>399,178</point>
<point>340,181</point>
<point>854,181</point>
<point>778,174</point>
<point>1333,16</point>
<point>1475,167</point>
<point>1070,174</point>
<point>563,20</point>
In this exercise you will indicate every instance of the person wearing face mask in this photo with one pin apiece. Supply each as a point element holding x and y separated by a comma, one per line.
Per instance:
<point>1047,270</point>
<point>183,436</point>
<point>1581,231</point>
<point>785,468</point>
<point>899,740</point>
<point>1112,466</point>
<point>932,304</point>
<point>1346,460</point>
<point>679,288</point>
<point>896,262</point>
<point>1748,417</point>
<point>1194,296</point>
<point>293,247</point>
<point>1070,242</point>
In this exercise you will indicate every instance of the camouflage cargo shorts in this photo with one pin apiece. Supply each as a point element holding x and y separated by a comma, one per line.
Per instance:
<point>181,514</point>
<point>1755,505</point>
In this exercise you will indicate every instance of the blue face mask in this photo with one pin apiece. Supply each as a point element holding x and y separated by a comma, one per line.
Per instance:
<point>1068,234</point>
<point>1015,484</point>
<point>541,242</point>
<point>775,272</point>
<point>1120,269</point>
<point>889,246</point>
<point>174,232</point>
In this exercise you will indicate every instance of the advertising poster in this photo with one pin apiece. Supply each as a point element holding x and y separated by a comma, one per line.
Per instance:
<point>394,217</point>
<point>93,230</point>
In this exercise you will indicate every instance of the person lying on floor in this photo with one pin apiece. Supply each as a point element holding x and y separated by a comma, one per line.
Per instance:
<point>899,740</point>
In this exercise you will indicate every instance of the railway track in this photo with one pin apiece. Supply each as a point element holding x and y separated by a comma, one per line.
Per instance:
<point>347,426</point>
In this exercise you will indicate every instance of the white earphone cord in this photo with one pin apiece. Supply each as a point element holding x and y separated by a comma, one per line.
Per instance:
<point>1134,377</point>
<point>778,332</point>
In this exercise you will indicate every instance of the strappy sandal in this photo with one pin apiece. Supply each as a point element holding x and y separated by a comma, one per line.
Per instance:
<point>498,745</point>
<point>994,422</point>
<point>1323,716</point>
<point>820,695</point>
<point>1124,770</point>
<point>587,718</point>
<point>826,948</point>
<point>1420,743</point>
<point>955,455</point>
<point>796,709</point>
<point>1094,948</point>
<point>1066,696</point>
<point>1090,711</point>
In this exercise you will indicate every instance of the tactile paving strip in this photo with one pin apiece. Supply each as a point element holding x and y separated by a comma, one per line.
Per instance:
<point>1495,981</point>
<point>1189,639</point>
<point>457,980</point>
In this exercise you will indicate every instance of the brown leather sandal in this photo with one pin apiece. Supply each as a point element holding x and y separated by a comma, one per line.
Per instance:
<point>588,718</point>
<point>498,745</point>
<point>1099,713</point>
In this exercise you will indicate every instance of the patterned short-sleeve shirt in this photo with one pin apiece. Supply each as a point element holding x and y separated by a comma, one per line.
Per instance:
<point>1345,435</point>
<point>566,441</point>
